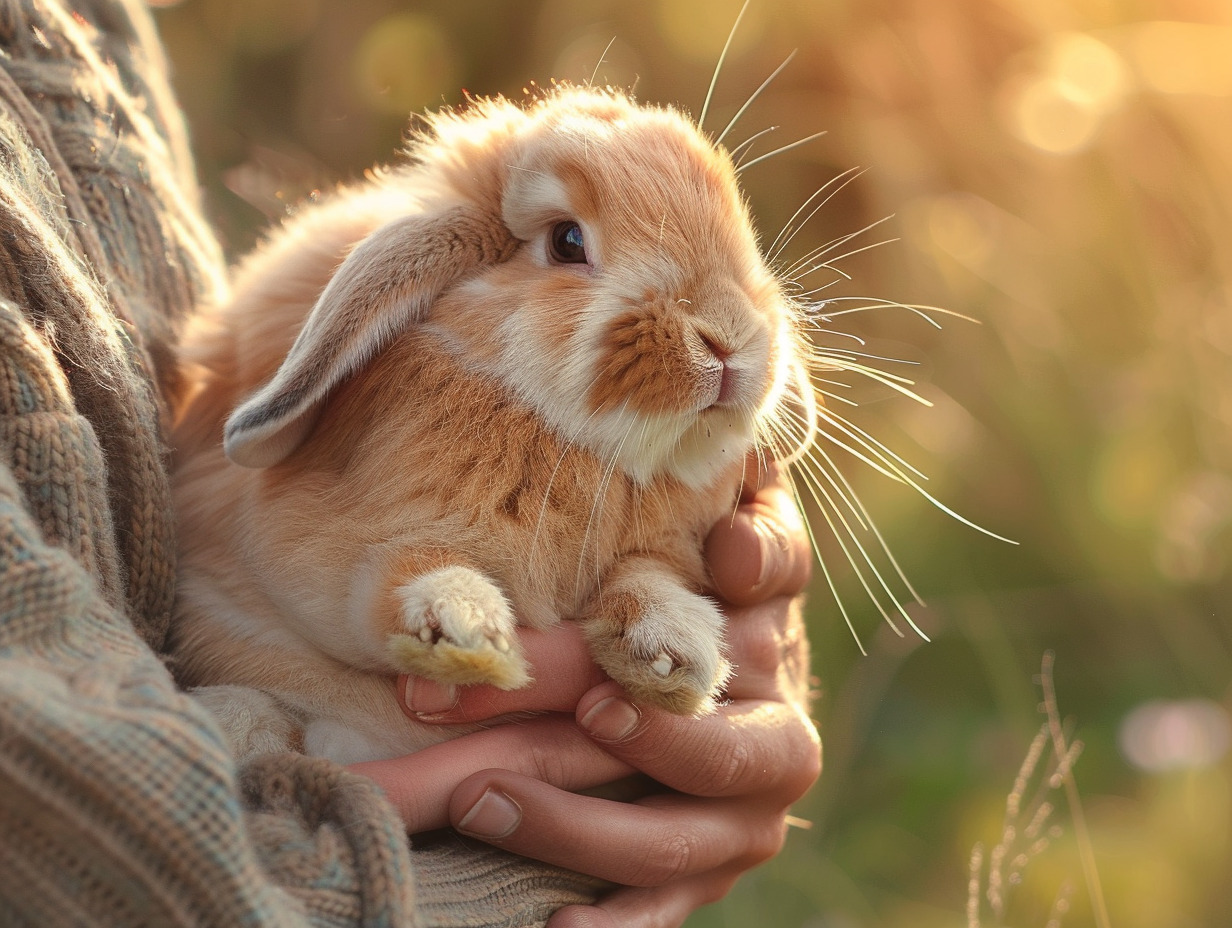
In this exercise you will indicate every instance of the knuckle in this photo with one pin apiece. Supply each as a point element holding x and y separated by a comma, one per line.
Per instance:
<point>803,767</point>
<point>725,770</point>
<point>667,858</point>
<point>766,842</point>
<point>735,770</point>
<point>548,766</point>
<point>763,649</point>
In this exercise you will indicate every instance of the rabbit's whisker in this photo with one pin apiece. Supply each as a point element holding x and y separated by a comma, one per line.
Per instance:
<point>778,151</point>
<point>783,239</point>
<point>830,262</point>
<point>756,93</point>
<point>917,309</point>
<point>596,508</point>
<point>791,271</point>
<point>566,447</point>
<point>737,153</point>
<point>718,67</point>
<point>599,63</point>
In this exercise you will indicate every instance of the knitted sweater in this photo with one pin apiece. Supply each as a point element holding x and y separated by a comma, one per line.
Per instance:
<point>119,804</point>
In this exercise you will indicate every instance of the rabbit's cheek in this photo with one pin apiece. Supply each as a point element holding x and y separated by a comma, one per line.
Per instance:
<point>646,365</point>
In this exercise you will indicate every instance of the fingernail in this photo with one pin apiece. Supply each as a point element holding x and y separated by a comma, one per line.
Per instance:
<point>427,697</point>
<point>495,815</point>
<point>775,546</point>
<point>612,719</point>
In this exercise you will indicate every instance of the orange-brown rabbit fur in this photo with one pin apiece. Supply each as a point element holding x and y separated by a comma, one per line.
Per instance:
<point>517,377</point>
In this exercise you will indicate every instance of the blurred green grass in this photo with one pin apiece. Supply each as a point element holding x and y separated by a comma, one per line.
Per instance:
<point>1059,172</point>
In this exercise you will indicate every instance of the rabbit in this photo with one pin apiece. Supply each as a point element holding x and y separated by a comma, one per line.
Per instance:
<point>513,380</point>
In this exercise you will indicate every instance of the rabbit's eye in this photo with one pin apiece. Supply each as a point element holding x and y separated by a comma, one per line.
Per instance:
<point>566,245</point>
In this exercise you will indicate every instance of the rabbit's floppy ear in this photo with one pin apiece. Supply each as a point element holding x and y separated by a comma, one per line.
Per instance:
<point>386,283</point>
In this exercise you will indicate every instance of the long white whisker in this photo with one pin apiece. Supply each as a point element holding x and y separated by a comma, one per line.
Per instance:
<point>814,321</point>
<point>872,445</point>
<point>736,153</point>
<point>919,309</point>
<point>893,381</point>
<point>872,525</point>
<point>820,250</point>
<point>599,63</point>
<point>845,178</point>
<point>825,572</point>
<point>829,262</point>
<point>714,78</point>
<point>819,492</point>
<point>838,398</point>
<point>822,355</point>
<point>778,151</point>
<point>808,293</point>
<point>756,93</point>
<point>894,472</point>
<point>823,464</point>
<point>881,459</point>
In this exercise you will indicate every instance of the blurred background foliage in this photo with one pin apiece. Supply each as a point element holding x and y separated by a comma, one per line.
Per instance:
<point>1058,171</point>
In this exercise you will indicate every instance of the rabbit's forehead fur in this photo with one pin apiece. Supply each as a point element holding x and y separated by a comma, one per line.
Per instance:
<point>641,178</point>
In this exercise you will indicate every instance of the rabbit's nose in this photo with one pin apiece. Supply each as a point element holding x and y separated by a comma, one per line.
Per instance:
<point>720,352</point>
<point>719,380</point>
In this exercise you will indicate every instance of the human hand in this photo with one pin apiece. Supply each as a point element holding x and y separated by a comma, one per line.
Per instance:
<point>729,778</point>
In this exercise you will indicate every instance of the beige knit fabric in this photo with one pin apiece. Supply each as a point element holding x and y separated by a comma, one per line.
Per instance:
<point>118,802</point>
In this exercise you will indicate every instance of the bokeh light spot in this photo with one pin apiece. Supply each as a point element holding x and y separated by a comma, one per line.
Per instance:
<point>1088,71</point>
<point>1060,110</point>
<point>1159,736</point>
<point>960,225</point>
<point>404,62</point>
<point>1131,473</point>
<point>1192,543</point>
<point>1051,121</point>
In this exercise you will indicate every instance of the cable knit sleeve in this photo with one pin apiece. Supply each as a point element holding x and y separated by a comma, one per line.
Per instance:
<point>119,804</point>
<point>118,800</point>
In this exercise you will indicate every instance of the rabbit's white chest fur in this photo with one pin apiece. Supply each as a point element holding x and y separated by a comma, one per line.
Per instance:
<point>512,383</point>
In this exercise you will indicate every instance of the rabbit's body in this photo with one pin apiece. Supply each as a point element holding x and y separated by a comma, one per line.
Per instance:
<point>515,382</point>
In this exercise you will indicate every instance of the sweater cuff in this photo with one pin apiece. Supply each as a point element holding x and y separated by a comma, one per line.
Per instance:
<point>329,839</point>
<point>469,884</point>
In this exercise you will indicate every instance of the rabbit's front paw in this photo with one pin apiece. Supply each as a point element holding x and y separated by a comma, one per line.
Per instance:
<point>457,627</point>
<point>662,643</point>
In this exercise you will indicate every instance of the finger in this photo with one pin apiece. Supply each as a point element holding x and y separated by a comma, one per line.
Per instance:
<point>749,747</point>
<point>648,907</point>
<point>762,551</point>
<point>760,639</point>
<point>550,748</point>
<point>645,843</point>
<point>561,668</point>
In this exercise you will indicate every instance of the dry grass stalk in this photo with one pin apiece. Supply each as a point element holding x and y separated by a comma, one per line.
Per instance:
<point>1026,832</point>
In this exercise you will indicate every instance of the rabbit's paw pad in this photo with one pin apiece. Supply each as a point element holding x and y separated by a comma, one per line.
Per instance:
<point>457,627</point>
